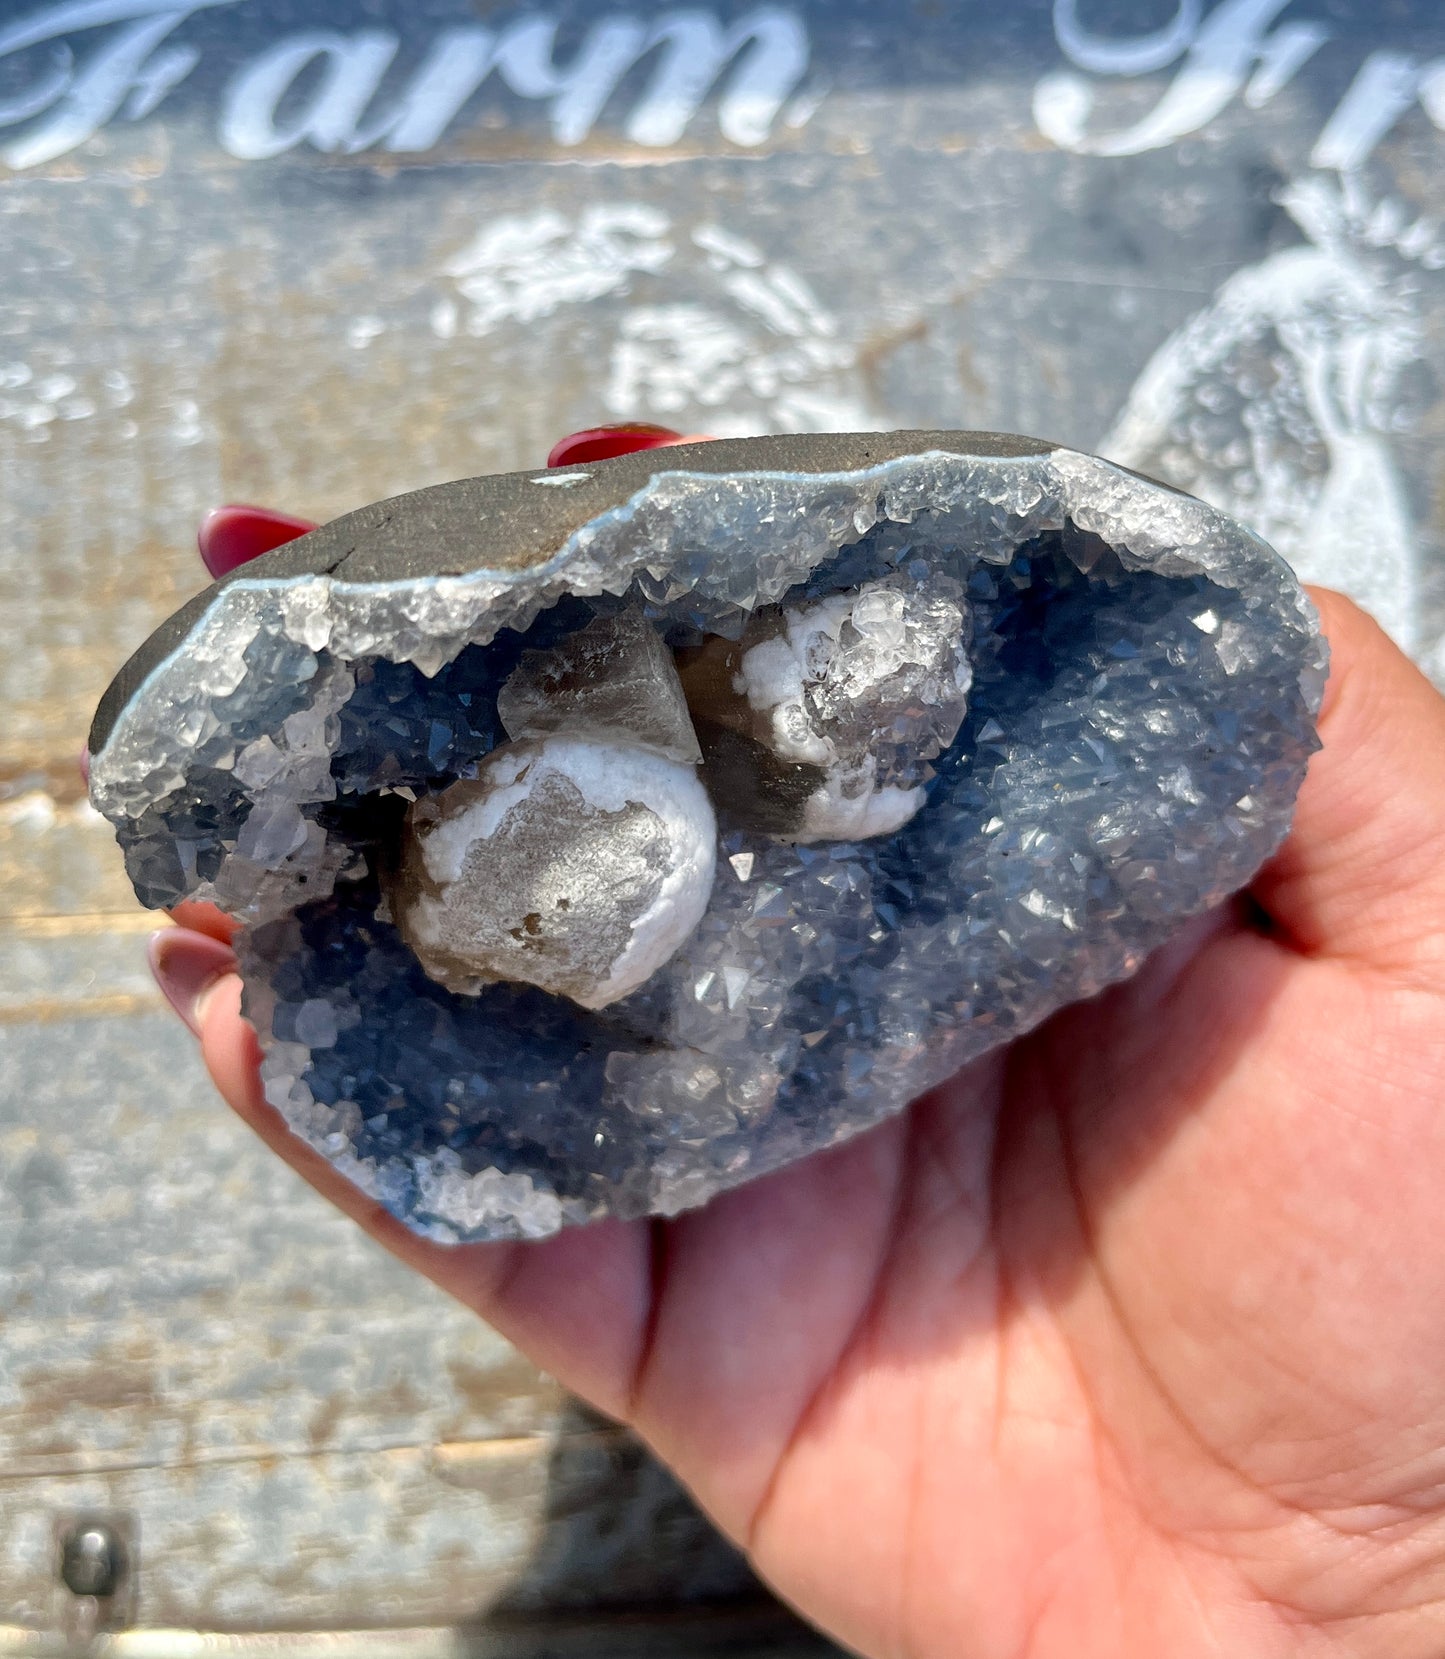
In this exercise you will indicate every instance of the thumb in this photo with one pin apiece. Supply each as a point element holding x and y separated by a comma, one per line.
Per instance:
<point>1362,875</point>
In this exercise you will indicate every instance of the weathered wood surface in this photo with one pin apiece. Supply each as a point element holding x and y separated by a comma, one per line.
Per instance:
<point>306,1435</point>
<point>281,301</point>
<point>727,1632</point>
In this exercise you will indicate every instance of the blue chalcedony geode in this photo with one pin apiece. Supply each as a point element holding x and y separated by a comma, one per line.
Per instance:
<point>1093,713</point>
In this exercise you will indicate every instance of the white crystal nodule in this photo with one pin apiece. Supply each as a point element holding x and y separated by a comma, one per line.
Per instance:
<point>846,697</point>
<point>570,864</point>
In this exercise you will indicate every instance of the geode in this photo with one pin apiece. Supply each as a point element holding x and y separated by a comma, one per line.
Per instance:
<point>609,836</point>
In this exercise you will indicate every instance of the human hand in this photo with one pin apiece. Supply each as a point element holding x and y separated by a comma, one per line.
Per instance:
<point>1128,1341</point>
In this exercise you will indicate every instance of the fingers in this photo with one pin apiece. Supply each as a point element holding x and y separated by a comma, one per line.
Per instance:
<point>197,974</point>
<point>197,917</point>
<point>186,965</point>
<point>233,1058</point>
<point>577,1303</point>
<point>1362,875</point>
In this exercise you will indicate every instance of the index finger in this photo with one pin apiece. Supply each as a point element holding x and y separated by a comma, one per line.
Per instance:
<point>1362,874</point>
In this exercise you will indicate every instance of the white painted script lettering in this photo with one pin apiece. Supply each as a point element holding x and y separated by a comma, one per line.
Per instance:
<point>1220,56</point>
<point>1236,52</point>
<point>325,87</point>
<point>126,71</point>
<point>457,64</point>
<point>1110,55</point>
<point>578,92</point>
<point>1386,86</point>
<point>353,67</point>
<point>772,48</point>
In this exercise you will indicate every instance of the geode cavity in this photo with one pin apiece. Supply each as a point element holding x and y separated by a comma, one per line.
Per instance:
<point>608,836</point>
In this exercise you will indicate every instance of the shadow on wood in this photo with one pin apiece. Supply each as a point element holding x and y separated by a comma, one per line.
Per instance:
<point>626,1563</point>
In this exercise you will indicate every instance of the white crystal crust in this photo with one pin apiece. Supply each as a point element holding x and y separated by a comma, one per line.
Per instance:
<point>818,988</point>
<point>848,681</point>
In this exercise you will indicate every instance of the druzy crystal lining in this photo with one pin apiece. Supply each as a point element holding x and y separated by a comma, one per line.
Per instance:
<point>1140,684</point>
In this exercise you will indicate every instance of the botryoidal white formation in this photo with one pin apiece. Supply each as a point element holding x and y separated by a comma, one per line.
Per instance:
<point>573,865</point>
<point>1136,676</point>
<point>582,854</point>
<point>861,688</point>
<point>581,857</point>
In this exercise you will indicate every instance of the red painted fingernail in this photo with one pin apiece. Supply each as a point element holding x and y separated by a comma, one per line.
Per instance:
<point>85,766</point>
<point>601,443</point>
<point>186,966</point>
<point>234,535</point>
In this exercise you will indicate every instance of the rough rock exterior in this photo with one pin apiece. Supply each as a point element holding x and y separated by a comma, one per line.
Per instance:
<point>1112,742</point>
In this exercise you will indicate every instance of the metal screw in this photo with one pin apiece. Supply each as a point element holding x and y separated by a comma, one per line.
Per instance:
<point>92,1560</point>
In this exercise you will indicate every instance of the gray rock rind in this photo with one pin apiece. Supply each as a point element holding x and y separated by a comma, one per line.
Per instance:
<point>513,521</point>
<point>1145,677</point>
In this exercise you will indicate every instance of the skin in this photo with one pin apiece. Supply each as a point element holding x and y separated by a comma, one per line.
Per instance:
<point>1128,1341</point>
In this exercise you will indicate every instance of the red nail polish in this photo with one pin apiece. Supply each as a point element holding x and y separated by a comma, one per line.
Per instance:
<point>234,535</point>
<point>601,443</point>
<point>186,965</point>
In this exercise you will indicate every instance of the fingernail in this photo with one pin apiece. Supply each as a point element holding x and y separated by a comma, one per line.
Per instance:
<point>187,966</point>
<point>234,535</point>
<point>601,443</point>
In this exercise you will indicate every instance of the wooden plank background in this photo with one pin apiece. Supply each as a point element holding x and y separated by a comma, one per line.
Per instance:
<point>305,1437</point>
